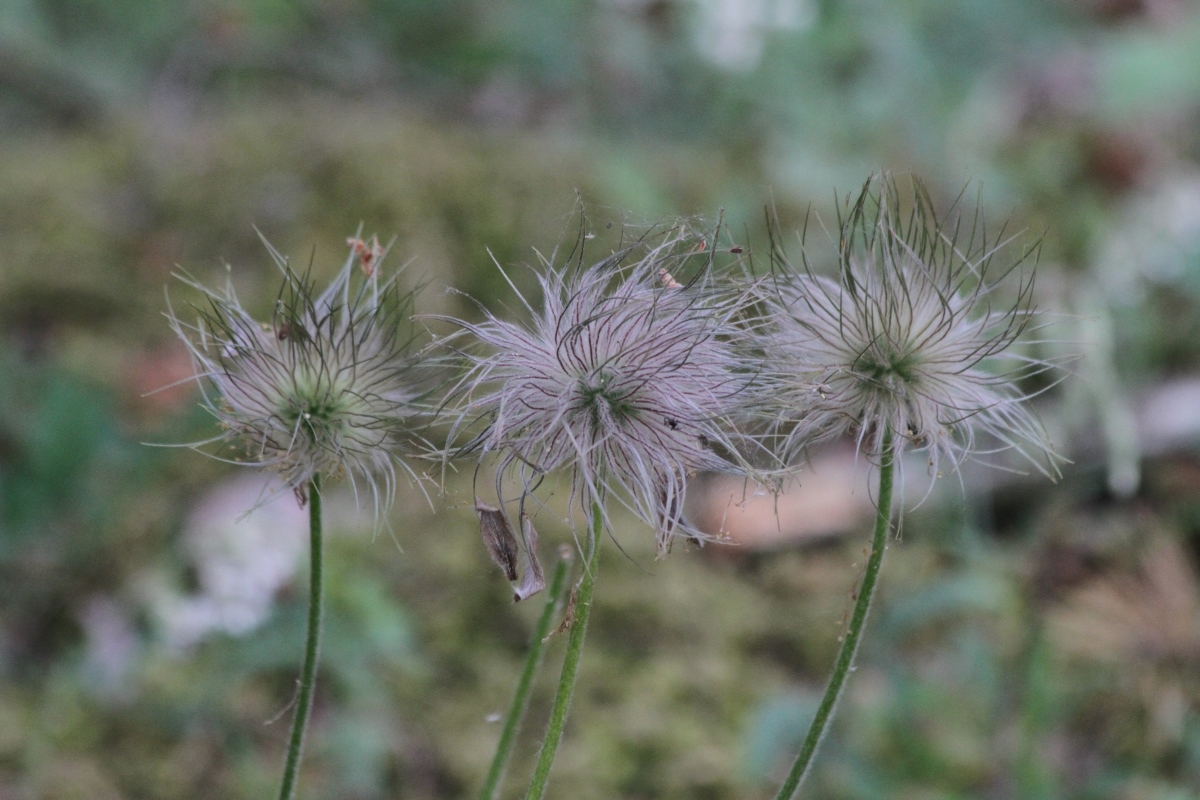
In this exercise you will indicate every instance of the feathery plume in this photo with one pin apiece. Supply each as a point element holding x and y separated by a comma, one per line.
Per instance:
<point>625,377</point>
<point>326,387</point>
<point>913,336</point>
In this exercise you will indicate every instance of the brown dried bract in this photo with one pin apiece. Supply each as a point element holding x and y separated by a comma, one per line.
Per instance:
<point>568,617</point>
<point>367,253</point>
<point>498,538</point>
<point>518,560</point>
<point>533,580</point>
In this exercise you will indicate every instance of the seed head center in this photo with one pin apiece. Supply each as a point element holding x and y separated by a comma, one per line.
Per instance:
<point>892,367</point>
<point>319,404</point>
<point>599,397</point>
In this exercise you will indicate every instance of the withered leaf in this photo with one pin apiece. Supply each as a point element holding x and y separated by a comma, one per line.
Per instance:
<point>498,538</point>
<point>568,617</point>
<point>533,580</point>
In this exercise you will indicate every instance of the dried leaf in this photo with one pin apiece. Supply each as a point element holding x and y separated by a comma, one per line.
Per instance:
<point>368,253</point>
<point>533,581</point>
<point>569,617</point>
<point>498,538</point>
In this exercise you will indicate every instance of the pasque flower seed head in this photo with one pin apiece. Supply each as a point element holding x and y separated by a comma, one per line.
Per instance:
<point>625,377</point>
<point>917,334</point>
<point>327,386</point>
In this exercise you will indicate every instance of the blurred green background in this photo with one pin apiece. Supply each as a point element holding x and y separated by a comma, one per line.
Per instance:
<point>1030,640</point>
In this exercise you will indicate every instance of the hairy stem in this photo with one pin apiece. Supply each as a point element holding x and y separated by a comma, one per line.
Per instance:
<point>566,683</point>
<point>312,645</point>
<point>520,701</point>
<point>845,658</point>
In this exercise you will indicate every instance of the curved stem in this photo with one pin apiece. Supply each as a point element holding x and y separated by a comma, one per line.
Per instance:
<point>520,701</point>
<point>566,683</point>
<point>312,646</point>
<point>845,658</point>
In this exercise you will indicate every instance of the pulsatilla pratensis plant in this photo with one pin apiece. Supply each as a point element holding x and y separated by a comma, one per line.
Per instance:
<point>326,387</point>
<point>916,345</point>
<point>623,377</point>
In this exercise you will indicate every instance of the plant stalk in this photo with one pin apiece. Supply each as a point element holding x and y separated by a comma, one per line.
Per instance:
<point>845,658</point>
<point>566,683</point>
<point>312,645</point>
<point>520,701</point>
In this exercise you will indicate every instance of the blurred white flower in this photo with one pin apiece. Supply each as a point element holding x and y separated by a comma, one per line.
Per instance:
<point>241,560</point>
<point>110,644</point>
<point>1155,235</point>
<point>732,34</point>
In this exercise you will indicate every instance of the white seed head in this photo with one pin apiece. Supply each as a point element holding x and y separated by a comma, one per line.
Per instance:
<point>326,387</point>
<point>916,335</point>
<point>624,377</point>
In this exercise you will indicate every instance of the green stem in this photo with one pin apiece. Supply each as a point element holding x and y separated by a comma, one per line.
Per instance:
<point>520,701</point>
<point>566,683</point>
<point>312,646</point>
<point>845,658</point>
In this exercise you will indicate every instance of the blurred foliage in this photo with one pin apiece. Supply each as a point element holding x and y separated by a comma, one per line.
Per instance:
<point>1037,642</point>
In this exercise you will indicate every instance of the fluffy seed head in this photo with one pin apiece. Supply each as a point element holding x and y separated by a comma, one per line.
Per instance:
<point>912,336</point>
<point>325,387</point>
<point>624,377</point>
